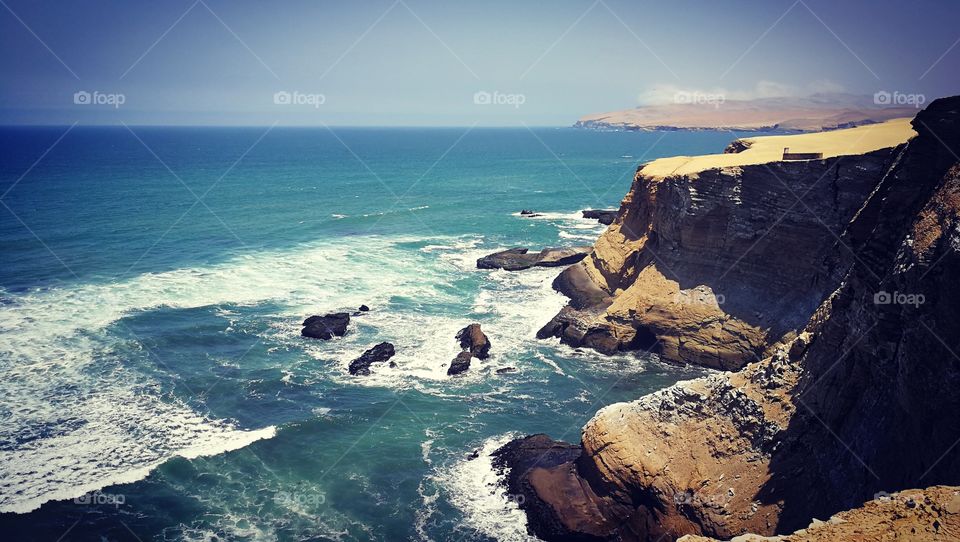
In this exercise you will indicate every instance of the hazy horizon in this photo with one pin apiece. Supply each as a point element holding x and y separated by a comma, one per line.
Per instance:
<point>428,64</point>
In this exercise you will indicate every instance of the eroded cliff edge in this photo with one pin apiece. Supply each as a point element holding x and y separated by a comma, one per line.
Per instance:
<point>712,260</point>
<point>862,401</point>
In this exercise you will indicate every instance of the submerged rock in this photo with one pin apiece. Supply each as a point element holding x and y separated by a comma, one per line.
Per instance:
<point>529,214</point>
<point>326,327</point>
<point>379,353</point>
<point>603,216</point>
<point>517,259</point>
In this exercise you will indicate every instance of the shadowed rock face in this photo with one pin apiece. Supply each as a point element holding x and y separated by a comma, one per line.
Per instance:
<point>863,400</point>
<point>714,268</point>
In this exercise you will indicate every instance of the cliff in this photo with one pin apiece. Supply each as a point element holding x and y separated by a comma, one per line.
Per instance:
<point>711,259</point>
<point>862,401</point>
<point>929,515</point>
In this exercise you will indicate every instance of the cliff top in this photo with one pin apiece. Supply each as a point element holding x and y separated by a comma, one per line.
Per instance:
<point>760,150</point>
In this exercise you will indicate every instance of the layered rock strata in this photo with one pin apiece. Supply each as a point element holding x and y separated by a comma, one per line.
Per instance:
<point>715,266</point>
<point>860,403</point>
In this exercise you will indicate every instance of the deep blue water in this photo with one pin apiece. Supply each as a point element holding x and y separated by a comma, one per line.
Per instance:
<point>150,299</point>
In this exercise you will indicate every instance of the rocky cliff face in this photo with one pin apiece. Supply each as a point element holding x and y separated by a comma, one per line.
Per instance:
<point>715,267</point>
<point>929,515</point>
<point>862,401</point>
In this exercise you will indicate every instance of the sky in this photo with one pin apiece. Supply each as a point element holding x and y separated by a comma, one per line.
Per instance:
<point>451,63</point>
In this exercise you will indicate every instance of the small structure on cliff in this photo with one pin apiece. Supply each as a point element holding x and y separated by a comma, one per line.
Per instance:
<point>787,155</point>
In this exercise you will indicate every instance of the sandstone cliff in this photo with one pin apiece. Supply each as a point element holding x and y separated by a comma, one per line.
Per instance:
<point>716,263</point>
<point>862,401</point>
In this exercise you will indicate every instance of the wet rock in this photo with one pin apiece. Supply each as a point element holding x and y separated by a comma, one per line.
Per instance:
<point>504,370</point>
<point>537,475</point>
<point>517,259</point>
<point>379,353</point>
<point>472,338</point>
<point>603,216</point>
<point>364,308</point>
<point>529,214</point>
<point>460,364</point>
<point>326,327</point>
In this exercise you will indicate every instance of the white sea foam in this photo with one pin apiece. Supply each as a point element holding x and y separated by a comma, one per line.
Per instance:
<point>478,491</point>
<point>78,419</point>
<point>570,226</point>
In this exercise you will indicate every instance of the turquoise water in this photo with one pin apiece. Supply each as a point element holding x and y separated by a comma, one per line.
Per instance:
<point>150,348</point>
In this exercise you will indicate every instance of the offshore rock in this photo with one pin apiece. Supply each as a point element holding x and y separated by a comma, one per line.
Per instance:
<point>517,259</point>
<point>327,326</point>
<point>603,216</point>
<point>379,353</point>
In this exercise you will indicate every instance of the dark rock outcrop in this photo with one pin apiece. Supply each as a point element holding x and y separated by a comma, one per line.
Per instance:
<point>517,259</point>
<point>526,213</point>
<point>525,460</point>
<point>326,327</point>
<point>474,343</point>
<point>473,338</point>
<point>364,308</point>
<point>603,216</point>
<point>861,402</point>
<point>379,353</point>
<point>460,364</point>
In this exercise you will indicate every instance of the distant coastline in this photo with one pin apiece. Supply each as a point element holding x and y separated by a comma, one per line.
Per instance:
<point>714,113</point>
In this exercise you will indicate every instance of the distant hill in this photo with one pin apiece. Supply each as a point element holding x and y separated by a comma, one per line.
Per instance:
<point>711,112</point>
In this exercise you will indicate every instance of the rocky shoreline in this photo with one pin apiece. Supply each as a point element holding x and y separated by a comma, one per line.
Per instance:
<point>840,323</point>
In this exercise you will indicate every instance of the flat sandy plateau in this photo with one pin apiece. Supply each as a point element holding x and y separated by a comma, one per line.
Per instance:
<point>766,149</point>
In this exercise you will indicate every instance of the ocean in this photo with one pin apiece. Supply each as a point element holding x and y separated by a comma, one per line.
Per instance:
<point>153,381</point>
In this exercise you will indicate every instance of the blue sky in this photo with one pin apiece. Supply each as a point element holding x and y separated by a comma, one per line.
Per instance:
<point>418,62</point>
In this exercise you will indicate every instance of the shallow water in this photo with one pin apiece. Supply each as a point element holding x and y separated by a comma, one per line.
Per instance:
<point>150,348</point>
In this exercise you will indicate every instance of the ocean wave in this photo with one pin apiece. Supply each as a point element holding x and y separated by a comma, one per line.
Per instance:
<point>477,490</point>
<point>78,417</point>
